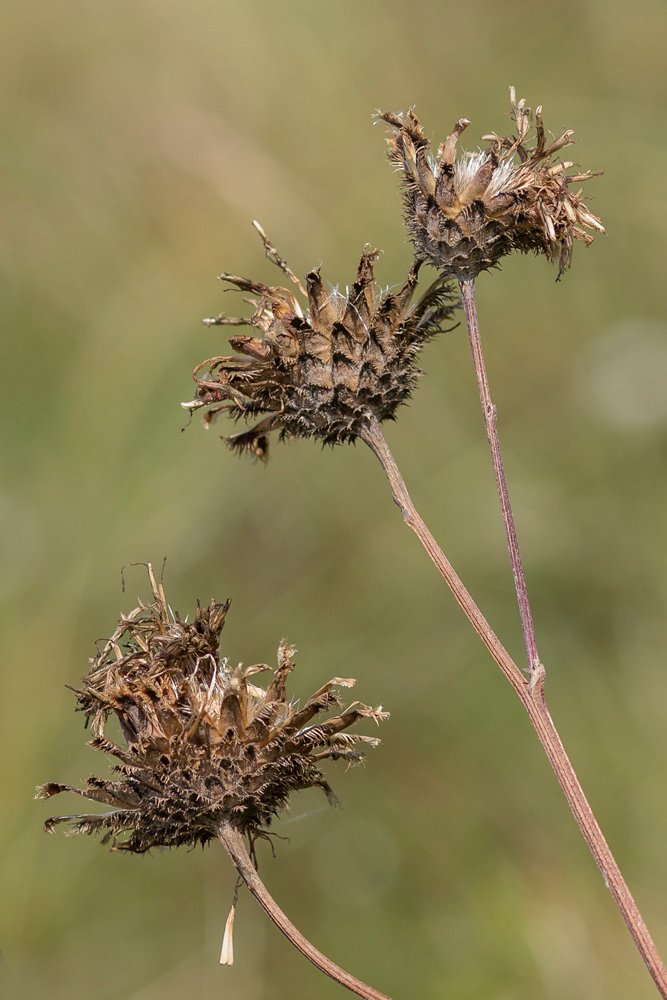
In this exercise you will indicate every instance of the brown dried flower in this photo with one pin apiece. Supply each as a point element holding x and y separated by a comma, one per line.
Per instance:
<point>324,370</point>
<point>465,213</point>
<point>206,746</point>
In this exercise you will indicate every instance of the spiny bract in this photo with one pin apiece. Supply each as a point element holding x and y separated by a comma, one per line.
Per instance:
<point>326,370</point>
<point>465,213</point>
<point>205,745</point>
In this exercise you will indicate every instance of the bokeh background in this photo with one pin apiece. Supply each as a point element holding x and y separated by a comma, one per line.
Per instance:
<point>139,139</point>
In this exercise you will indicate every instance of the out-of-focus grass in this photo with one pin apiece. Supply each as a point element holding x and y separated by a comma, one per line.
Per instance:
<point>139,139</point>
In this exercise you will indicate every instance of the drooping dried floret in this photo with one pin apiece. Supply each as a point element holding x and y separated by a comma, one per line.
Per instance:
<point>324,370</point>
<point>464,213</point>
<point>205,744</point>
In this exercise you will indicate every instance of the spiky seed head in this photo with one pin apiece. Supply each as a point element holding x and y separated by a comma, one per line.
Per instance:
<point>325,368</point>
<point>205,744</point>
<point>465,212</point>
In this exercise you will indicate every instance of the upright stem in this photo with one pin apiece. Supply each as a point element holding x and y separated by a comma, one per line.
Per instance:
<point>235,847</point>
<point>531,692</point>
<point>489,413</point>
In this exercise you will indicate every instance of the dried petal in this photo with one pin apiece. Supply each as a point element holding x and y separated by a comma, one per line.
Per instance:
<point>227,953</point>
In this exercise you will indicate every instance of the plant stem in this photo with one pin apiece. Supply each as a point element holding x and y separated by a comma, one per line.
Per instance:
<point>531,692</point>
<point>489,413</point>
<point>235,847</point>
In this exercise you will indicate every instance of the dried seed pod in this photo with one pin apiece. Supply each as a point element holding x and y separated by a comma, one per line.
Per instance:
<point>324,370</point>
<point>206,746</point>
<point>464,213</point>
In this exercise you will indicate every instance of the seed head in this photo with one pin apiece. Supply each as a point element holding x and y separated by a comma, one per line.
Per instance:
<point>464,213</point>
<point>205,745</point>
<point>323,369</point>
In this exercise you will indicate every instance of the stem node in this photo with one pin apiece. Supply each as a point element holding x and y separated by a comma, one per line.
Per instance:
<point>538,677</point>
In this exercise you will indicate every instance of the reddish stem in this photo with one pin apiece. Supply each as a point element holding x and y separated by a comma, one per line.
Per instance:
<point>489,413</point>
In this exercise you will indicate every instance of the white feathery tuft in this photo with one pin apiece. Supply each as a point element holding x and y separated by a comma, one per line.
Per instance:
<point>501,178</point>
<point>466,166</point>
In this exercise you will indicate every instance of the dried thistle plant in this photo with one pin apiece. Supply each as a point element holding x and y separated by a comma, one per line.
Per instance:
<point>209,753</point>
<point>464,213</point>
<point>325,369</point>
<point>463,218</point>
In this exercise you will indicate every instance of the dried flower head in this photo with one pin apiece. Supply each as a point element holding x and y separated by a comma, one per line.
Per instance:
<point>325,369</point>
<point>464,213</point>
<point>205,746</point>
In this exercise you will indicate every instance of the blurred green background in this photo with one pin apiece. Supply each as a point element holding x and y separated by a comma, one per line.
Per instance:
<point>139,140</point>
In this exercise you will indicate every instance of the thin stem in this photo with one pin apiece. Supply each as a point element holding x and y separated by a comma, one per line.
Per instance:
<point>531,693</point>
<point>235,847</point>
<point>490,415</point>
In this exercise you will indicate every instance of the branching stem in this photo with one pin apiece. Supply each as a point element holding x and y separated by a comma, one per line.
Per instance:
<point>531,692</point>
<point>235,847</point>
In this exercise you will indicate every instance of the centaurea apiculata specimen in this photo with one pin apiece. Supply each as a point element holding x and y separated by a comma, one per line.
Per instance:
<point>327,368</point>
<point>465,212</point>
<point>209,753</point>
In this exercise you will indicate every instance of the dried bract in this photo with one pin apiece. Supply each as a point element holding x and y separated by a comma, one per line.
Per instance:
<point>205,744</point>
<point>326,369</point>
<point>464,213</point>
